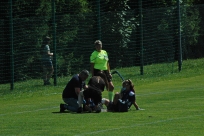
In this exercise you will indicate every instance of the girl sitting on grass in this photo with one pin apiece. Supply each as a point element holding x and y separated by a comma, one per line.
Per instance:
<point>127,94</point>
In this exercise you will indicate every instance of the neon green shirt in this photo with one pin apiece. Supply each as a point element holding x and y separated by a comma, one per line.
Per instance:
<point>100,60</point>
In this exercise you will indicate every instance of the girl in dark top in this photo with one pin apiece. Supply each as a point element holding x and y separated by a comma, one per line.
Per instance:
<point>127,94</point>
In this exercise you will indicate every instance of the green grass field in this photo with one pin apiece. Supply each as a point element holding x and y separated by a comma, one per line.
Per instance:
<point>173,103</point>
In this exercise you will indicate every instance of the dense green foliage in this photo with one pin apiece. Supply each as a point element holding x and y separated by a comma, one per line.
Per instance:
<point>77,28</point>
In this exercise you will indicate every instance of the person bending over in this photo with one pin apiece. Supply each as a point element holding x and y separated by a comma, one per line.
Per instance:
<point>71,91</point>
<point>93,92</point>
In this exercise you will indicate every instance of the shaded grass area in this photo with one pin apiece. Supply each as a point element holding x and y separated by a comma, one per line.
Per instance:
<point>173,105</point>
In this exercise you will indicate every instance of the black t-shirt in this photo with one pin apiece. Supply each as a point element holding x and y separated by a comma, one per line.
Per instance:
<point>130,96</point>
<point>97,83</point>
<point>69,91</point>
<point>95,89</point>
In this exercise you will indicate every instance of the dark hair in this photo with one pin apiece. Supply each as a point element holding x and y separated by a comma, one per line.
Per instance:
<point>85,72</point>
<point>97,42</point>
<point>130,83</point>
<point>46,40</point>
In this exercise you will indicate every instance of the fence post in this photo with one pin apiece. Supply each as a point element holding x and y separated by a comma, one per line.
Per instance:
<point>54,42</point>
<point>141,38</point>
<point>98,20</point>
<point>179,37</point>
<point>11,45</point>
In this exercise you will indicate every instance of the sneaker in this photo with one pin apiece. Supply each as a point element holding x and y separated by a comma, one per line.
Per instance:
<point>79,110</point>
<point>137,108</point>
<point>62,109</point>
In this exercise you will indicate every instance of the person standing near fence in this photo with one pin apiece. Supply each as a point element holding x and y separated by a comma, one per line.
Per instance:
<point>46,61</point>
<point>100,62</point>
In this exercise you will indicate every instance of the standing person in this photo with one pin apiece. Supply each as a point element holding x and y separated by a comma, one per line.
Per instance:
<point>100,62</point>
<point>71,91</point>
<point>127,94</point>
<point>46,61</point>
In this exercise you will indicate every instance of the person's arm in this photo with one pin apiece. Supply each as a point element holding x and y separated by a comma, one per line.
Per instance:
<point>132,98</point>
<point>49,53</point>
<point>109,71</point>
<point>92,69</point>
<point>93,58</point>
<point>108,67</point>
<point>77,90</point>
<point>86,87</point>
<point>134,103</point>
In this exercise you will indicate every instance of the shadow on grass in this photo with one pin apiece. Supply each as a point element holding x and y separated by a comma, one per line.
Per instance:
<point>66,112</point>
<point>58,112</point>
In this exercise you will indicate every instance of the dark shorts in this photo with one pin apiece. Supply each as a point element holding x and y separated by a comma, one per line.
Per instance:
<point>119,107</point>
<point>47,63</point>
<point>116,107</point>
<point>95,95</point>
<point>105,72</point>
<point>113,107</point>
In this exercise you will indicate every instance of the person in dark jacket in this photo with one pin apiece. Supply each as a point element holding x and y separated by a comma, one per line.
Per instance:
<point>72,90</point>
<point>93,93</point>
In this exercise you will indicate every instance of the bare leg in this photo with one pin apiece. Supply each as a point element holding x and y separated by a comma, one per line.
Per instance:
<point>110,86</point>
<point>105,102</point>
<point>49,75</point>
<point>116,97</point>
<point>44,74</point>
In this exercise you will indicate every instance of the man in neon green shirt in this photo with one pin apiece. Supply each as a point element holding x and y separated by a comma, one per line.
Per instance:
<point>99,62</point>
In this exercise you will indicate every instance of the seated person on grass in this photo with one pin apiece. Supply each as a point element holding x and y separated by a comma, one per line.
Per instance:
<point>127,94</point>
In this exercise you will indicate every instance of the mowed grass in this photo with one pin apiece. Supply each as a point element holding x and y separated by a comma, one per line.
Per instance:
<point>173,103</point>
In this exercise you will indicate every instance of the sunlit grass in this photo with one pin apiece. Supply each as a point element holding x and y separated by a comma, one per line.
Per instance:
<point>173,103</point>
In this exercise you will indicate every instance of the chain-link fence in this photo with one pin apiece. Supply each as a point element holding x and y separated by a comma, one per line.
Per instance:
<point>133,35</point>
